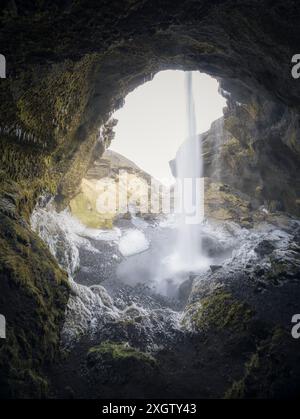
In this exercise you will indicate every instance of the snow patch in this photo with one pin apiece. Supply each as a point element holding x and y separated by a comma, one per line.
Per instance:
<point>132,242</point>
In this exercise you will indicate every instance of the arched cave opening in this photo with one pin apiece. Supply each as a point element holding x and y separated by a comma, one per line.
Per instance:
<point>233,329</point>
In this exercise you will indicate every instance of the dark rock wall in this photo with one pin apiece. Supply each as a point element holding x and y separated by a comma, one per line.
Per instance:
<point>255,149</point>
<point>33,296</point>
<point>261,156</point>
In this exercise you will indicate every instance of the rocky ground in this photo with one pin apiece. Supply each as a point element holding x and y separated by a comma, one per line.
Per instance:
<point>226,333</point>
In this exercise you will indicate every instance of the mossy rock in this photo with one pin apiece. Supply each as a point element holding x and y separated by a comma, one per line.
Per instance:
<point>121,370</point>
<point>221,311</point>
<point>33,297</point>
<point>118,352</point>
<point>272,371</point>
<point>223,202</point>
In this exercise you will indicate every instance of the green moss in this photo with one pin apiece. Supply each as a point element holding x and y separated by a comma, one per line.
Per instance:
<point>280,271</point>
<point>235,152</point>
<point>25,384</point>
<point>49,107</point>
<point>268,372</point>
<point>33,296</point>
<point>53,105</point>
<point>222,311</point>
<point>224,202</point>
<point>24,176</point>
<point>33,289</point>
<point>118,352</point>
<point>115,368</point>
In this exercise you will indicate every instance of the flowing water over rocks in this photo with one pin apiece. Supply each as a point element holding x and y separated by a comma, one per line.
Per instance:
<point>92,259</point>
<point>116,299</point>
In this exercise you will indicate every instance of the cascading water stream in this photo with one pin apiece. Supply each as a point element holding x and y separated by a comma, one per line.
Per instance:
<point>190,188</point>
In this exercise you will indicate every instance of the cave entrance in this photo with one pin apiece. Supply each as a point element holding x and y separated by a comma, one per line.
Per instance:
<point>151,132</point>
<point>152,128</point>
<point>152,123</point>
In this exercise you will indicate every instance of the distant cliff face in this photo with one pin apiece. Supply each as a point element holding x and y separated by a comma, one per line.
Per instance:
<point>114,187</point>
<point>255,149</point>
<point>262,155</point>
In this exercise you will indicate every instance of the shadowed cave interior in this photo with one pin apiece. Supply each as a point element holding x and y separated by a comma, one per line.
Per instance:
<point>228,335</point>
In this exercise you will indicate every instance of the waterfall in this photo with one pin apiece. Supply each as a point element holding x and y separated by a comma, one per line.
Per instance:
<point>91,310</point>
<point>190,190</point>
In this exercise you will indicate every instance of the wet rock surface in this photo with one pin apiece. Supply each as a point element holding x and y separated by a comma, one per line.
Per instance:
<point>231,325</point>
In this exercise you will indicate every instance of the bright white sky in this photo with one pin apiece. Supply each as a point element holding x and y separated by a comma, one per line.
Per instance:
<point>152,123</point>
